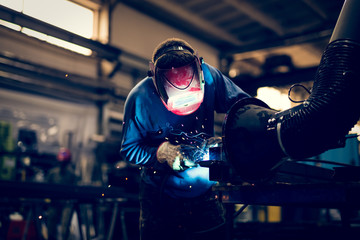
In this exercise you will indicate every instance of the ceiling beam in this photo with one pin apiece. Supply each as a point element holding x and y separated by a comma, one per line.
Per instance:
<point>316,8</point>
<point>298,39</point>
<point>259,16</point>
<point>199,22</point>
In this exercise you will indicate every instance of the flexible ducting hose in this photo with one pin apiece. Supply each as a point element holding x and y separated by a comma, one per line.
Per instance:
<point>332,109</point>
<point>318,124</point>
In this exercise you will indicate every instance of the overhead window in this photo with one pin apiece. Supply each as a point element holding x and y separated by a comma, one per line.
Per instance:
<point>60,13</point>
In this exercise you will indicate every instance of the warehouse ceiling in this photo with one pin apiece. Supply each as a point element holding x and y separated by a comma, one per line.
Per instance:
<point>254,38</point>
<point>261,43</point>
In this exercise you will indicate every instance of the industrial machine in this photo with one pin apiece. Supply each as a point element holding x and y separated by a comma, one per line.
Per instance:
<point>258,140</point>
<point>261,160</point>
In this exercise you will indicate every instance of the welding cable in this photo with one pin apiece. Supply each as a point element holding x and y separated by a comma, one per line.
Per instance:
<point>297,85</point>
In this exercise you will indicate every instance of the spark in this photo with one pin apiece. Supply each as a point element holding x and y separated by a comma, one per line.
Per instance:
<point>194,146</point>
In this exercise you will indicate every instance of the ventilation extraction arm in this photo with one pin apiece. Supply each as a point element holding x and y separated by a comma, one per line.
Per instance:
<point>257,138</point>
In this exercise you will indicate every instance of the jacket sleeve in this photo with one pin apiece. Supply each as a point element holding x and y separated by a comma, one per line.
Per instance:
<point>134,148</point>
<point>226,91</point>
<point>136,145</point>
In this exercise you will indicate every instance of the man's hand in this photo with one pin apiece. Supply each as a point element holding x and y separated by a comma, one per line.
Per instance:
<point>174,156</point>
<point>213,142</point>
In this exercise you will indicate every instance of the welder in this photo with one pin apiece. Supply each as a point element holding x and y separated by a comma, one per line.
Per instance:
<point>168,125</point>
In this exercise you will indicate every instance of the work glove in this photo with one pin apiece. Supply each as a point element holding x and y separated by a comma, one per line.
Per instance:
<point>212,142</point>
<point>174,156</point>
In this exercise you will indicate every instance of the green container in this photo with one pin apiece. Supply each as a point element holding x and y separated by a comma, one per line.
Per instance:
<point>7,155</point>
<point>7,167</point>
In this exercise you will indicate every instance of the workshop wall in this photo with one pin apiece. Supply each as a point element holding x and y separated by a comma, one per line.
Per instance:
<point>140,34</point>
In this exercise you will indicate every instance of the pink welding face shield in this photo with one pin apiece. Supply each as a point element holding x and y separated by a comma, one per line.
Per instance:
<point>181,89</point>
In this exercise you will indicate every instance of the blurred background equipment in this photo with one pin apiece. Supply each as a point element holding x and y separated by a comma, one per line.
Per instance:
<point>64,155</point>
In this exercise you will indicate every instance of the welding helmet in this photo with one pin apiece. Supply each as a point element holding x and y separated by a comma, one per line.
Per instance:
<point>181,89</point>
